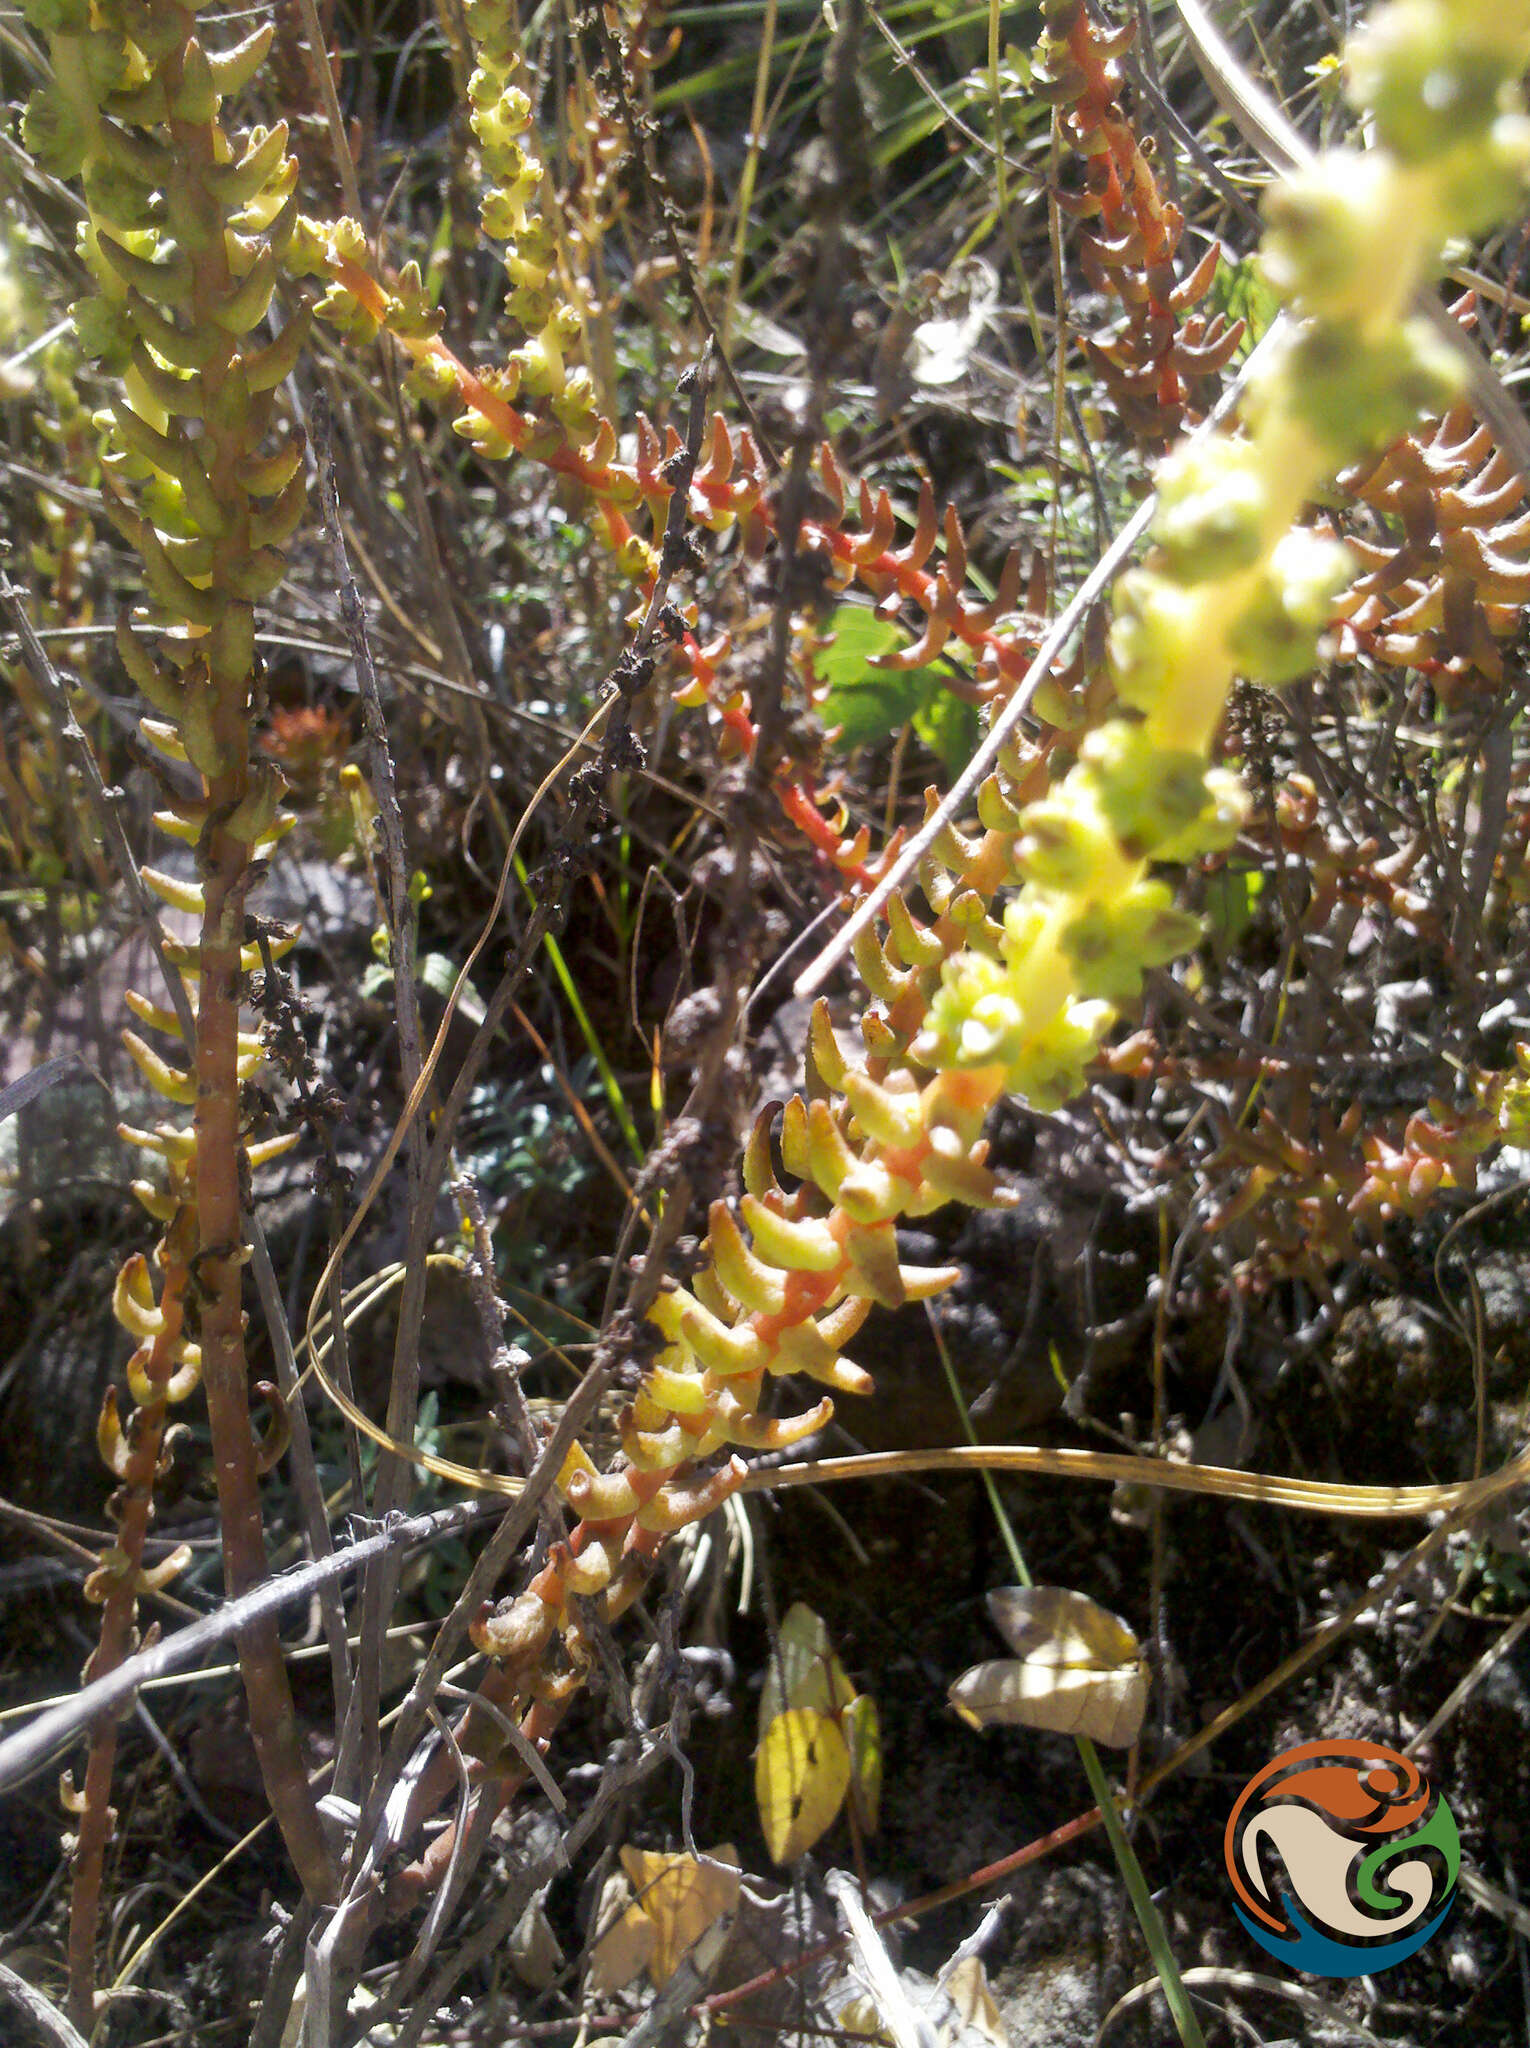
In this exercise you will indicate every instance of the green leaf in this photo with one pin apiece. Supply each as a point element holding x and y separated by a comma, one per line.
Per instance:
<point>870,704</point>
<point>439,975</point>
<point>798,1672</point>
<point>1239,290</point>
<point>867,704</point>
<point>862,1729</point>
<point>948,725</point>
<point>1232,898</point>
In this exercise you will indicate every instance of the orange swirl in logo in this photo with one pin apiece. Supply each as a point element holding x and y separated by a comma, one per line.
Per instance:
<point>1362,1787</point>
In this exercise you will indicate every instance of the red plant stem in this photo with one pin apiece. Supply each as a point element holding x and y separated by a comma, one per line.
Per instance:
<point>960,1888</point>
<point>273,1720</point>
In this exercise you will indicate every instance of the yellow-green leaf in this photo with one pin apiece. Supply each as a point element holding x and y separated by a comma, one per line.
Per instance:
<point>862,1730</point>
<point>801,1775</point>
<point>803,1671</point>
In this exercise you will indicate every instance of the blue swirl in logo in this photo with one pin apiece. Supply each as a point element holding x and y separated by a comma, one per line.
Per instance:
<point>1369,1856</point>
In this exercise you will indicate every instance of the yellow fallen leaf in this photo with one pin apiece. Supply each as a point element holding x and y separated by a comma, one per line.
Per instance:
<point>1078,1670</point>
<point>966,1985</point>
<point>1054,1624</point>
<point>681,1898</point>
<point>861,2019</point>
<point>625,1949</point>
<point>801,1775</point>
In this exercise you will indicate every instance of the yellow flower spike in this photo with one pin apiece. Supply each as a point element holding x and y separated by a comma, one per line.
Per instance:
<point>133,1302</point>
<point>601,1496</point>
<point>156,1015</point>
<point>916,948</point>
<point>830,1157</point>
<point>161,1205</point>
<point>179,1385</point>
<point>110,1441</point>
<point>678,1505</point>
<point>828,1062</point>
<point>873,1255</point>
<point>166,738</point>
<point>808,1246</point>
<point>893,1117</point>
<point>873,1193</point>
<point>517,1634</point>
<point>923,1283</point>
<point>682,1393</point>
<point>877,970</point>
<point>747,1278</point>
<point>724,1351</point>
<point>666,1310</point>
<point>590,1571</point>
<point>708,1289</point>
<point>155,1577</point>
<point>180,895</point>
<point>174,1083</point>
<point>650,1450</point>
<point>738,1424</point>
<point>794,1139</point>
